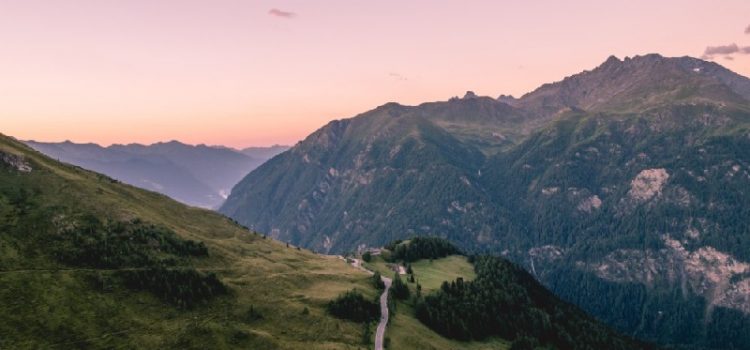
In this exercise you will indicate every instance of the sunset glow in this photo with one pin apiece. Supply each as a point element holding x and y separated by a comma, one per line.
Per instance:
<point>243,73</point>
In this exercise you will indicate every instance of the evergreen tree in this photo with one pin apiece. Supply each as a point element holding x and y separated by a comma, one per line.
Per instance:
<point>377,281</point>
<point>399,289</point>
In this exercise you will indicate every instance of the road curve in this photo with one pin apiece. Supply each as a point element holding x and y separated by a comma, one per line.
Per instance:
<point>380,332</point>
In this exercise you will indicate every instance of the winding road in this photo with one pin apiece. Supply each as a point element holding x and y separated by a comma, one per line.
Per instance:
<point>380,332</point>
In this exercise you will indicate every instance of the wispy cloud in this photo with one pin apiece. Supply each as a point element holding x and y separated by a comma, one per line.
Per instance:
<point>747,30</point>
<point>725,50</point>
<point>280,13</point>
<point>397,76</point>
<point>721,50</point>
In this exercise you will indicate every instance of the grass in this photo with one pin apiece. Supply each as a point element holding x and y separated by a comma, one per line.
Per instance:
<point>60,308</point>
<point>431,274</point>
<point>380,265</point>
<point>404,330</point>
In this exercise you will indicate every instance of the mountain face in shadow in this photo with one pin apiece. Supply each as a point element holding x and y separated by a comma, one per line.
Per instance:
<point>196,175</point>
<point>624,189</point>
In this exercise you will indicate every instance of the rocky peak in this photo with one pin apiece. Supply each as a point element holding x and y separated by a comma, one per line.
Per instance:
<point>639,83</point>
<point>507,99</point>
<point>611,61</point>
<point>469,95</point>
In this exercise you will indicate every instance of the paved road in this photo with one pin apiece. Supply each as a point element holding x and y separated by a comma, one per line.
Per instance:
<point>380,332</point>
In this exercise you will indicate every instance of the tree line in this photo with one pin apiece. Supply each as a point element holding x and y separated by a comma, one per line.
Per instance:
<point>421,248</point>
<point>507,302</point>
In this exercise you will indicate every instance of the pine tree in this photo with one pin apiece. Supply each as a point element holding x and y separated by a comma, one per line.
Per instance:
<point>399,289</point>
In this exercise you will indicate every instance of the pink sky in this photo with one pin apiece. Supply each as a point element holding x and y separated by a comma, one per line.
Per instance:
<point>243,73</point>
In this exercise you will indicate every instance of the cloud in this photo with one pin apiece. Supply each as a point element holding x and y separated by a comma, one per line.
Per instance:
<point>283,14</point>
<point>397,76</point>
<point>721,50</point>
<point>747,30</point>
<point>725,50</point>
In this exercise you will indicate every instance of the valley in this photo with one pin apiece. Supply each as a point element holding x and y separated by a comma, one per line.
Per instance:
<point>198,175</point>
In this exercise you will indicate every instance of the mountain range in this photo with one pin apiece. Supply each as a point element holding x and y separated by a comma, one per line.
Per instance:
<point>196,175</point>
<point>89,262</point>
<point>624,189</point>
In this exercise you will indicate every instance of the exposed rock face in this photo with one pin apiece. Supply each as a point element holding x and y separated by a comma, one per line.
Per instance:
<point>647,184</point>
<point>590,204</point>
<point>717,276</point>
<point>17,162</point>
<point>548,191</point>
<point>547,252</point>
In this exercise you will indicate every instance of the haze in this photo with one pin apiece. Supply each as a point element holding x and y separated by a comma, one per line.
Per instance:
<point>243,73</point>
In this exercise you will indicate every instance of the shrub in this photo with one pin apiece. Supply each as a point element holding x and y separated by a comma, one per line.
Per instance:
<point>354,307</point>
<point>399,289</point>
<point>377,281</point>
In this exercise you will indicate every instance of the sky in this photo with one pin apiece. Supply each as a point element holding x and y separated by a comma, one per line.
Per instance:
<point>242,73</point>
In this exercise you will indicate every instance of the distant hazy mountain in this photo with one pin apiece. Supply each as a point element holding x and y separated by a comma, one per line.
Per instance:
<point>197,175</point>
<point>263,152</point>
<point>626,189</point>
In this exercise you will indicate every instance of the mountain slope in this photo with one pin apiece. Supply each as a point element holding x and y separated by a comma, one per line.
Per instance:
<point>196,175</point>
<point>651,228</point>
<point>481,300</point>
<point>263,152</point>
<point>630,179</point>
<point>87,262</point>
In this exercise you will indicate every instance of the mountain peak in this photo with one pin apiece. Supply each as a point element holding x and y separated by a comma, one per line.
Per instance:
<point>611,60</point>
<point>639,83</point>
<point>470,94</point>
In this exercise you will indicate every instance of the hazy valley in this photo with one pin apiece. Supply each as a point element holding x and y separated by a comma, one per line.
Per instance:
<point>198,175</point>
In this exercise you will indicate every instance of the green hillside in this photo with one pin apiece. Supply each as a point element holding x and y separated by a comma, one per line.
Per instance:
<point>480,303</point>
<point>87,262</point>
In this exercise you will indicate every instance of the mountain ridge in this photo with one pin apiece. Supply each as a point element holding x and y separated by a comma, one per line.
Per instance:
<point>199,175</point>
<point>568,178</point>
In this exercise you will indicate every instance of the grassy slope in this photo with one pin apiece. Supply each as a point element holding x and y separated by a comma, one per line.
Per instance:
<point>404,330</point>
<point>59,308</point>
<point>431,274</point>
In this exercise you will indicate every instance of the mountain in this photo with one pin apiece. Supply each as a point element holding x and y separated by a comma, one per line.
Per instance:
<point>624,189</point>
<point>89,262</point>
<point>263,152</point>
<point>197,175</point>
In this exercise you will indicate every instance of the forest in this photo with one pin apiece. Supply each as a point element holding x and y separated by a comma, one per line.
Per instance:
<point>421,248</point>
<point>353,306</point>
<point>505,301</point>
